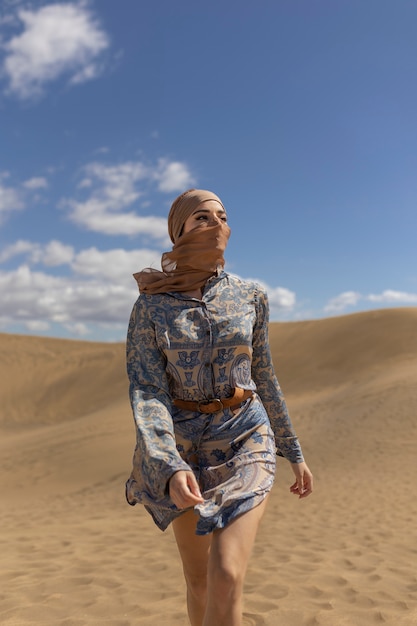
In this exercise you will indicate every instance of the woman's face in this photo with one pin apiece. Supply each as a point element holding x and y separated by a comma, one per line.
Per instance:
<point>208,213</point>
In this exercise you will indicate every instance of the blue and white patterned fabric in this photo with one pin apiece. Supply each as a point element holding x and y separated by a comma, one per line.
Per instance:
<point>183,347</point>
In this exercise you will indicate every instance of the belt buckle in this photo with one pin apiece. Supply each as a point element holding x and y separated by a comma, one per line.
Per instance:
<point>219,405</point>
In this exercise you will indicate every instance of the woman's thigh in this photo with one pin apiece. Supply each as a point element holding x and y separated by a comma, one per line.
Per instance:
<point>194,549</point>
<point>232,545</point>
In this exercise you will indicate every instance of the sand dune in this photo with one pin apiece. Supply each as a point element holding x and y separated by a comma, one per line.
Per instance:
<point>49,380</point>
<point>74,554</point>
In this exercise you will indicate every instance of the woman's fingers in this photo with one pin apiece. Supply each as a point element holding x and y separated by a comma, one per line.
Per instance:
<point>184,490</point>
<point>193,485</point>
<point>304,480</point>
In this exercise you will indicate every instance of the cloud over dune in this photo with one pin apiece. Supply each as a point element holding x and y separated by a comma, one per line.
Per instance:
<point>348,299</point>
<point>390,296</point>
<point>97,291</point>
<point>342,302</point>
<point>33,297</point>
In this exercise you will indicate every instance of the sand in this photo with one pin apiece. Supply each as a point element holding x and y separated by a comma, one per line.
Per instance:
<point>73,553</point>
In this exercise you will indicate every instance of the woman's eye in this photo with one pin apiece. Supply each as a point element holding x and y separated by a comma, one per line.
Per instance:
<point>207,218</point>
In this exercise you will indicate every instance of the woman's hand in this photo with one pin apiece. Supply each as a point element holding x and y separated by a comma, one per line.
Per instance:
<point>184,490</point>
<point>303,485</point>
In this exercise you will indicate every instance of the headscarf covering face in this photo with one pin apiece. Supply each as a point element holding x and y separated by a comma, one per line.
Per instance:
<point>184,206</point>
<point>196,255</point>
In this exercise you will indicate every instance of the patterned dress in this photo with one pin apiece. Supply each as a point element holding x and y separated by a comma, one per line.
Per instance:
<point>183,347</point>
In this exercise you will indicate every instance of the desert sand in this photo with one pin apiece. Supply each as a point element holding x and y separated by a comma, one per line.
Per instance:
<point>73,553</point>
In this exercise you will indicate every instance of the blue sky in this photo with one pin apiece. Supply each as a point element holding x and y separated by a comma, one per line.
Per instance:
<point>301,115</point>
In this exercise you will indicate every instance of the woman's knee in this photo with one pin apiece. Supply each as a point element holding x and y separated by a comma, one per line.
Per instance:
<point>225,580</point>
<point>196,583</point>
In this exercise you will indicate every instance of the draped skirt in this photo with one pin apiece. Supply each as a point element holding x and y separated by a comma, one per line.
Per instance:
<point>233,456</point>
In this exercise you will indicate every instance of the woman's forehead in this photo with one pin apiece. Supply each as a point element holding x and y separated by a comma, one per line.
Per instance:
<point>209,205</point>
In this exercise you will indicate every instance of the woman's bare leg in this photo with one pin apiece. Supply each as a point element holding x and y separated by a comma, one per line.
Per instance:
<point>228,560</point>
<point>194,551</point>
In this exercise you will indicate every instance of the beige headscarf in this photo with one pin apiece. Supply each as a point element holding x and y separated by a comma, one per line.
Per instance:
<point>195,256</point>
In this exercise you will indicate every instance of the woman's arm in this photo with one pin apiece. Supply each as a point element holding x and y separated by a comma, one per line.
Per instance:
<point>156,458</point>
<point>268,387</point>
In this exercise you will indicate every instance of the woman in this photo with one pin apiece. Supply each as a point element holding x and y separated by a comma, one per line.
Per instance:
<point>204,397</point>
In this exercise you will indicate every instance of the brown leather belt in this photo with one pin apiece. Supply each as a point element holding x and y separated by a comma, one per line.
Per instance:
<point>215,404</point>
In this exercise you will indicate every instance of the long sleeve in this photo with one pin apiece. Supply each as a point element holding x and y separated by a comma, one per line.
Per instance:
<point>156,457</point>
<point>268,387</point>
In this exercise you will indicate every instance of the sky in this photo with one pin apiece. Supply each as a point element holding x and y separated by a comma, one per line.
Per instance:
<point>300,114</point>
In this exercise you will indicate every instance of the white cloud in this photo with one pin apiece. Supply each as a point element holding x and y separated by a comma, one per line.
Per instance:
<point>173,177</point>
<point>79,329</point>
<point>281,300</point>
<point>391,296</point>
<point>93,215</point>
<point>89,72</point>
<point>118,181</point>
<point>99,290</point>
<point>351,299</point>
<point>85,183</point>
<point>37,326</point>
<point>342,301</point>
<point>113,188</point>
<point>36,183</point>
<point>19,247</point>
<point>57,39</point>
<point>31,298</point>
<point>115,265</point>
<point>10,199</point>
<point>52,254</point>
<point>56,253</point>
